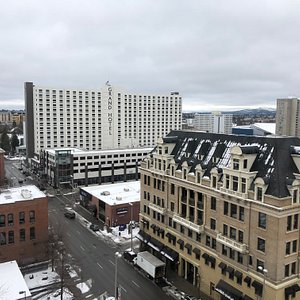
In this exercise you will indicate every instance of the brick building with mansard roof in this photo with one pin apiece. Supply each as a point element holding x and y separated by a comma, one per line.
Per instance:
<point>223,210</point>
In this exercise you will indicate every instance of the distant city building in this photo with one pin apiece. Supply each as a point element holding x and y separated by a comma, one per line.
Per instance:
<point>12,116</point>
<point>12,283</point>
<point>260,129</point>
<point>2,167</point>
<point>23,225</point>
<point>287,117</point>
<point>100,119</point>
<point>114,204</point>
<point>75,167</point>
<point>214,123</point>
<point>223,211</point>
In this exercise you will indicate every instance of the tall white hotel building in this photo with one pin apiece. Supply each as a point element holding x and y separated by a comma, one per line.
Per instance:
<point>105,119</point>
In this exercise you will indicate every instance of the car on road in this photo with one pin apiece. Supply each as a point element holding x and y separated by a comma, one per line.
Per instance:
<point>70,214</point>
<point>94,227</point>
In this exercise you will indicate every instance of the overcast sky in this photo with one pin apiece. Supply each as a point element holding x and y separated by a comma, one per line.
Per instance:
<point>219,55</point>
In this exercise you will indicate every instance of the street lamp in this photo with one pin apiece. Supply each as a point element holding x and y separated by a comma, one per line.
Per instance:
<point>265,272</point>
<point>23,292</point>
<point>117,255</point>
<point>131,207</point>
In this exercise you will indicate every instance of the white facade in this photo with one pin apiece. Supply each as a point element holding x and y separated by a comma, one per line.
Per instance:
<point>215,122</point>
<point>104,119</point>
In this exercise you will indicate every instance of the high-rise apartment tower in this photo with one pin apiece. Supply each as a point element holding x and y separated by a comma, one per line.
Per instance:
<point>287,117</point>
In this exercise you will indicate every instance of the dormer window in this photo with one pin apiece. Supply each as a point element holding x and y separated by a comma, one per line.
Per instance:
<point>159,150</point>
<point>236,164</point>
<point>259,193</point>
<point>227,181</point>
<point>214,181</point>
<point>166,150</point>
<point>295,196</point>
<point>198,177</point>
<point>172,170</point>
<point>184,173</point>
<point>245,163</point>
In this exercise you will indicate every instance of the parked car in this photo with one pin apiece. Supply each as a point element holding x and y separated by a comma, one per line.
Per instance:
<point>94,227</point>
<point>70,214</point>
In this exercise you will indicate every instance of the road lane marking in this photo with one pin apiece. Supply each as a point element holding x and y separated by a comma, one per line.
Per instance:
<point>112,262</point>
<point>78,231</point>
<point>99,265</point>
<point>122,288</point>
<point>68,234</point>
<point>82,248</point>
<point>94,246</point>
<point>135,283</point>
<point>89,296</point>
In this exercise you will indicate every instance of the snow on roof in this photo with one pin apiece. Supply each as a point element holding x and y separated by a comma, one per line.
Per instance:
<point>12,283</point>
<point>270,127</point>
<point>117,193</point>
<point>22,193</point>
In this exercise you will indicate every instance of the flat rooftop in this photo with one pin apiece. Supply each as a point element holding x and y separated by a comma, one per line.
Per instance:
<point>22,193</point>
<point>117,193</point>
<point>12,282</point>
<point>89,152</point>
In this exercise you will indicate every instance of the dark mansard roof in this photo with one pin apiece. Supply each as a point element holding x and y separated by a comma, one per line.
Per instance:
<point>273,161</point>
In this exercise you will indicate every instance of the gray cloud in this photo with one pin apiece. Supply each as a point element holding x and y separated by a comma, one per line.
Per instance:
<point>217,54</point>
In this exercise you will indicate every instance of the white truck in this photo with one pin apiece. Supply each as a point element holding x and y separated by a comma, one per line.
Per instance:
<point>153,266</point>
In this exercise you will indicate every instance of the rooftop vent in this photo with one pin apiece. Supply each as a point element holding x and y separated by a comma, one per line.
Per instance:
<point>26,194</point>
<point>126,189</point>
<point>105,193</point>
<point>119,198</point>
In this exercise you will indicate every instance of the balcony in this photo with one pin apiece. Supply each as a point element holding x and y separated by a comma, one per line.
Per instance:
<point>242,248</point>
<point>234,193</point>
<point>157,208</point>
<point>188,224</point>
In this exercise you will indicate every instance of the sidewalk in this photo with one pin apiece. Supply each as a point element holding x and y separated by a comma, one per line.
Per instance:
<point>182,285</point>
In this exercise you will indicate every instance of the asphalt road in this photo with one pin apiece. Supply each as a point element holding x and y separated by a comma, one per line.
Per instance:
<point>91,254</point>
<point>96,259</point>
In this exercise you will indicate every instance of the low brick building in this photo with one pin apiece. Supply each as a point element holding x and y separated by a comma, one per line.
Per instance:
<point>114,204</point>
<point>23,225</point>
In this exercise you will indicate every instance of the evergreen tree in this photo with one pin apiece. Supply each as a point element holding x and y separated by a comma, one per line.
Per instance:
<point>5,143</point>
<point>14,141</point>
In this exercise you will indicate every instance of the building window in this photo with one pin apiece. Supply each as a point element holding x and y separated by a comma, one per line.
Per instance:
<point>261,244</point>
<point>2,220</point>
<point>243,188</point>
<point>225,208</point>
<point>32,216</point>
<point>260,263</point>
<point>295,196</point>
<point>2,238</point>
<point>21,217</point>
<point>213,224</point>
<point>259,194</point>
<point>242,214</point>
<point>233,211</point>
<point>172,189</point>
<point>235,183</point>
<point>32,233</point>
<point>227,181</point>
<point>225,230</point>
<point>10,219</point>
<point>213,203</point>
<point>214,181</point>
<point>232,233</point>
<point>236,164</point>
<point>11,237</point>
<point>245,163</point>
<point>262,220</point>
<point>22,235</point>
